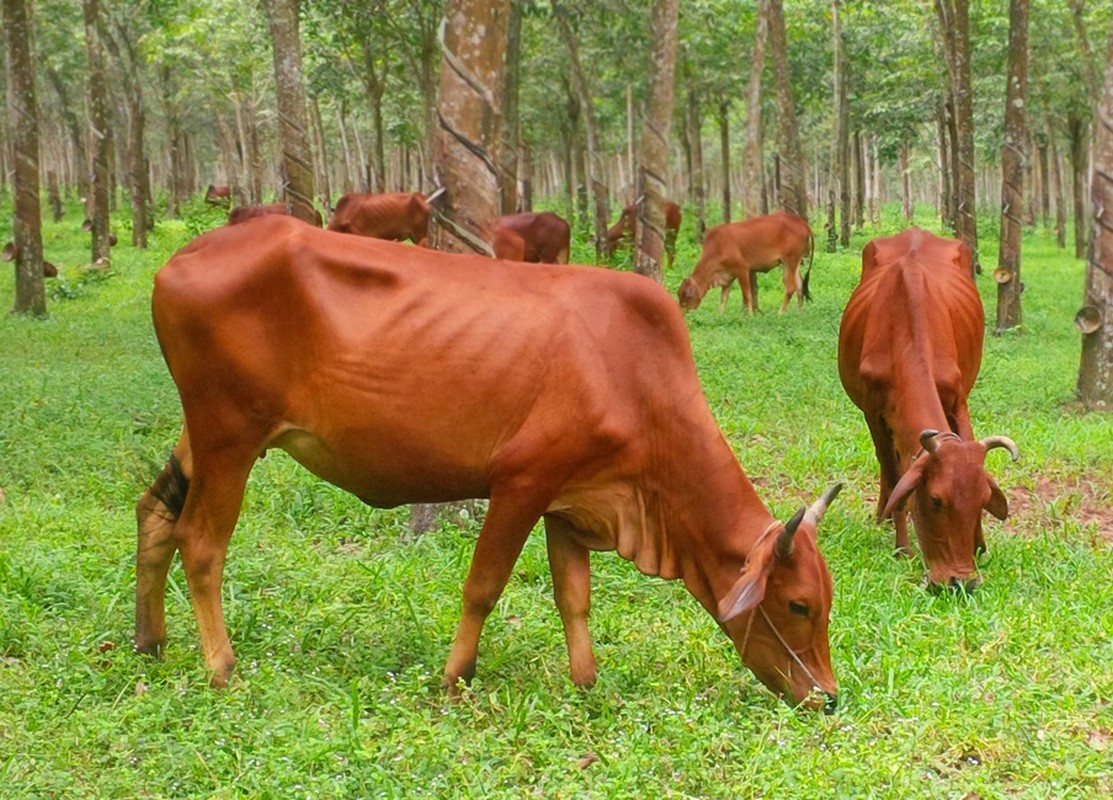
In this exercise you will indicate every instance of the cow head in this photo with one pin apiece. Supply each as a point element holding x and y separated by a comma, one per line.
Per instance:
<point>689,294</point>
<point>949,488</point>
<point>777,611</point>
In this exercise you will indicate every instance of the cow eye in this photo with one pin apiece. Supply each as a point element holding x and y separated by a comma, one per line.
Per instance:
<point>936,502</point>
<point>798,608</point>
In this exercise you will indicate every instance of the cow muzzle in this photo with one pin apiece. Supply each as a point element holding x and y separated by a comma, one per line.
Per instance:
<point>955,584</point>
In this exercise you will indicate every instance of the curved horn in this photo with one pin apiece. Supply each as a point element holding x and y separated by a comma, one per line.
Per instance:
<point>991,442</point>
<point>783,548</point>
<point>819,507</point>
<point>927,439</point>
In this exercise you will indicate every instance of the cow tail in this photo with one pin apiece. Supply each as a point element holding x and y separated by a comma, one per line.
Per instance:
<point>170,488</point>
<point>808,272</point>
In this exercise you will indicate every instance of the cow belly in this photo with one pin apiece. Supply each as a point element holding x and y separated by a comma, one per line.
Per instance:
<point>383,474</point>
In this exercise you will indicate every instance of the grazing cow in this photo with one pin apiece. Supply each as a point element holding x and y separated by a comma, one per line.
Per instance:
<point>623,232</point>
<point>738,250</point>
<point>910,346</point>
<point>241,214</point>
<point>536,238</point>
<point>281,335</point>
<point>396,216</point>
<point>11,253</point>
<point>218,195</point>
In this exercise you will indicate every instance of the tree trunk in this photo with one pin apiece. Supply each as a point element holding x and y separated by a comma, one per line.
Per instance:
<point>696,176</point>
<point>102,141</point>
<point>1076,129</point>
<point>793,190</point>
<point>466,154</point>
<point>653,162</point>
<point>1044,179</point>
<point>954,17</point>
<point>859,167</point>
<point>322,162</point>
<point>511,125</point>
<point>842,126</point>
<point>175,190</point>
<point>23,119</point>
<point>724,152</point>
<point>1057,192</point>
<point>297,156</point>
<point>946,194</point>
<point>526,170</point>
<point>137,175</point>
<point>753,190</point>
<point>1013,158</point>
<point>905,183</point>
<point>594,164</point>
<point>1095,372</point>
<point>73,128</point>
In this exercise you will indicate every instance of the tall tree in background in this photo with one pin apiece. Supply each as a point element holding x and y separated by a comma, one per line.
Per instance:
<point>954,21</point>
<point>839,182</point>
<point>794,190</point>
<point>511,136</point>
<point>99,133</point>
<point>654,160</point>
<point>466,153</point>
<point>1095,372</point>
<point>23,119</point>
<point>1013,158</point>
<point>297,157</point>
<point>1078,129</point>
<point>753,169</point>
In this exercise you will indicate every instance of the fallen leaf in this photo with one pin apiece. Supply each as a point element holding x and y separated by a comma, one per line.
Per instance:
<point>587,761</point>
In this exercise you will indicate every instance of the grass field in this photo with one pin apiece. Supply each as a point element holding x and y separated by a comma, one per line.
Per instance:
<point>341,620</point>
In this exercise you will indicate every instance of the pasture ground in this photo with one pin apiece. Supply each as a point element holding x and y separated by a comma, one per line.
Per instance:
<point>341,621</point>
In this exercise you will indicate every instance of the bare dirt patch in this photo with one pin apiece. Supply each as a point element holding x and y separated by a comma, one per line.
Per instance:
<point>1050,501</point>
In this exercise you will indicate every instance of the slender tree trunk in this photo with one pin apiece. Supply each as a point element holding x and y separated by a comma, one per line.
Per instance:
<point>1060,199</point>
<point>753,189</point>
<point>842,127</point>
<point>793,190</point>
<point>1095,319</point>
<point>696,176</point>
<point>653,170</point>
<point>724,152</point>
<point>526,170</point>
<point>946,194</point>
<point>138,169</point>
<point>297,155</point>
<point>594,164</point>
<point>23,119</point>
<point>511,125</point>
<point>955,21</point>
<point>324,188</point>
<point>1076,129</point>
<point>66,108</point>
<point>858,165</point>
<point>101,134</point>
<point>1013,157</point>
<point>1044,179</point>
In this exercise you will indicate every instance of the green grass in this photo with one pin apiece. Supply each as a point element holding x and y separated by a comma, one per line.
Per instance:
<point>341,621</point>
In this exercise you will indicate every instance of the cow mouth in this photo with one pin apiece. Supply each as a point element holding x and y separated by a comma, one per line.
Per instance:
<point>954,584</point>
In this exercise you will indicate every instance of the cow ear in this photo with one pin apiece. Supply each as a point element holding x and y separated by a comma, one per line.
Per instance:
<point>997,505</point>
<point>869,257</point>
<point>749,589</point>
<point>908,481</point>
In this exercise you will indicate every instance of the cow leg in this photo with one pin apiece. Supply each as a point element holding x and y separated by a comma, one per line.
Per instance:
<point>510,518</point>
<point>670,247</point>
<point>570,564</point>
<point>887,461</point>
<point>790,279</point>
<point>156,514</point>
<point>203,531</point>
<point>748,281</point>
<point>724,295</point>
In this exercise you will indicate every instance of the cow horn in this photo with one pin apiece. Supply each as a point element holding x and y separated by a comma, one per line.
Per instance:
<point>783,548</point>
<point>927,439</point>
<point>991,442</point>
<point>819,507</point>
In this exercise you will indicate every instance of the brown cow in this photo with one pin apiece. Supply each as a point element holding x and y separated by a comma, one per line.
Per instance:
<point>536,238</point>
<point>305,341</point>
<point>396,216</point>
<point>241,214</point>
<point>624,232</point>
<point>910,346</point>
<point>218,195</point>
<point>737,250</point>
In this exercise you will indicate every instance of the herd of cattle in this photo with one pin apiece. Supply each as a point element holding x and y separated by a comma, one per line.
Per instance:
<point>562,394</point>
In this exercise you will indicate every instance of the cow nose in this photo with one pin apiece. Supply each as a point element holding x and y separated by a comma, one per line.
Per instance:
<point>832,703</point>
<point>965,585</point>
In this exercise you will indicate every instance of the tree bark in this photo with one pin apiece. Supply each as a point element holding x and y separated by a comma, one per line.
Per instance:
<point>793,190</point>
<point>1095,372</point>
<point>859,167</point>
<point>842,127</point>
<point>594,162</point>
<point>297,155</point>
<point>753,190</point>
<point>1057,193</point>
<point>1076,130</point>
<point>510,144</point>
<point>101,134</point>
<point>1044,179</point>
<point>653,169</point>
<point>1013,158</point>
<point>466,157</point>
<point>724,152</point>
<point>954,17</point>
<point>23,121</point>
<point>696,176</point>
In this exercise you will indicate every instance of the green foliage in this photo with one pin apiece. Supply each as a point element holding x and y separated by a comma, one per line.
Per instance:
<point>341,620</point>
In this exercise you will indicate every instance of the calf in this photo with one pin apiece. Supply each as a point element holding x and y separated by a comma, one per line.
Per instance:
<point>624,232</point>
<point>537,238</point>
<point>737,250</point>
<point>218,195</point>
<point>281,335</point>
<point>910,346</point>
<point>396,216</point>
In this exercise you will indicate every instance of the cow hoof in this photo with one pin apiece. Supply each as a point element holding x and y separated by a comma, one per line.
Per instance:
<point>902,552</point>
<point>152,648</point>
